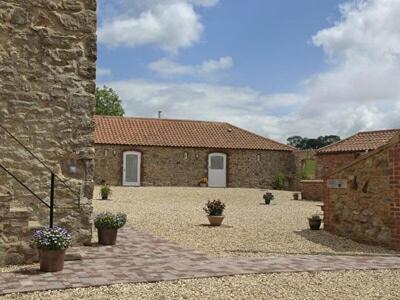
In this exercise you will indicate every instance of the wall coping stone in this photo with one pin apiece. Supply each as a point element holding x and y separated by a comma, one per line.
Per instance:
<point>312,181</point>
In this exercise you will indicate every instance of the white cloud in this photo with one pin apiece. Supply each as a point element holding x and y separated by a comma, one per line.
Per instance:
<point>245,107</point>
<point>103,72</point>
<point>360,90</point>
<point>169,68</point>
<point>168,24</point>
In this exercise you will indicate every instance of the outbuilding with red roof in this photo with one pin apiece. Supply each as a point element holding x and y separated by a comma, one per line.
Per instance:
<point>165,152</point>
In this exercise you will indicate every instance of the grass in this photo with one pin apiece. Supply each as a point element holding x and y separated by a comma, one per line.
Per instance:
<point>309,168</point>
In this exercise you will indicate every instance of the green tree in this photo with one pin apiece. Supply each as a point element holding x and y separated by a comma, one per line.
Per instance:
<point>306,143</point>
<point>108,102</point>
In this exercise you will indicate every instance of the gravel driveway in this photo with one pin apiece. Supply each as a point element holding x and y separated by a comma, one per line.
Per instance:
<point>251,228</point>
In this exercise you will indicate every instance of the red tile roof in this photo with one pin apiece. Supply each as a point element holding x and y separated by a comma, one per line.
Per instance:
<point>362,141</point>
<point>179,133</point>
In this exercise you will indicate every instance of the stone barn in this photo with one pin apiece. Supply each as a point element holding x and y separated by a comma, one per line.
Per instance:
<point>334,156</point>
<point>163,152</point>
<point>362,199</point>
<point>47,102</point>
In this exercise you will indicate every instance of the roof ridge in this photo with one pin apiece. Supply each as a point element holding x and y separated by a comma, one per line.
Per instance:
<point>382,130</point>
<point>157,119</point>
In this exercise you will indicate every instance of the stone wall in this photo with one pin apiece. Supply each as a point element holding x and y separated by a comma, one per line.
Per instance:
<point>327,163</point>
<point>47,84</point>
<point>167,166</point>
<point>368,208</point>
<point>312,190</point>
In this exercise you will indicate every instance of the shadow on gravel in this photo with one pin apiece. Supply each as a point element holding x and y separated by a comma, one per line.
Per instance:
<point>341,244</point>
<point>208,225</point>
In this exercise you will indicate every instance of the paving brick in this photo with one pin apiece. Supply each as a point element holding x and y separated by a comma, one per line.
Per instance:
<point>141,257</point>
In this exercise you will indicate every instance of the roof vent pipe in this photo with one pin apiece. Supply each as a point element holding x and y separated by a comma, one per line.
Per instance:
<point>159,114</point>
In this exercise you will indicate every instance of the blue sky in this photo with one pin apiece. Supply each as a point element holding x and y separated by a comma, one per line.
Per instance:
<point>276,67</point>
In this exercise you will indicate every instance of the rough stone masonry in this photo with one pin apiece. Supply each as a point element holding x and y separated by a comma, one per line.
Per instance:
<point>47,84</point>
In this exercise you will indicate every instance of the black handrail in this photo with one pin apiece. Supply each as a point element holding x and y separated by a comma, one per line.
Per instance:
<point>38,159</point>
<point>50,206</point>
<point>52,179</point>
<point>23,184</point>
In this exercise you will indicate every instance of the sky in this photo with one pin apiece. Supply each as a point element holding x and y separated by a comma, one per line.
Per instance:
<point>276,67</point>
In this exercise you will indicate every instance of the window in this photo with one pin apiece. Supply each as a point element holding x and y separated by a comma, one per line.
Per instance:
<point>185,155</point>
<point>258,157</point>
<point>105,152</point>
<point>217,163</point>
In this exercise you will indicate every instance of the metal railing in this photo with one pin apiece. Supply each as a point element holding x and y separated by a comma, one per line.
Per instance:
<point>53,176</point>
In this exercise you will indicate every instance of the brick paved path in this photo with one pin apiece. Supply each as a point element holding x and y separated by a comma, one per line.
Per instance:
<point>141,257</point>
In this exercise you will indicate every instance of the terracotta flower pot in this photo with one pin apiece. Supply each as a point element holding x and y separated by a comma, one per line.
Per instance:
<point>203,184</point>
<point>51,260</point>
<point>215,220</point>
<point>104,196</point>
<point>107,236</point>
<point>314,224</point>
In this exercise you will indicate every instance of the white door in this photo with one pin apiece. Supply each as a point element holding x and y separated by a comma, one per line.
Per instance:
<point>217,170</point>
<point>131,168</point>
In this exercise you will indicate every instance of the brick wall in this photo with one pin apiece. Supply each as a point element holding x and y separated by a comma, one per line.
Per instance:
<point>312,190</point>
<point>327,163</point>
<point>368,209</point>
<point>47,83</point>
<point>166,166</point>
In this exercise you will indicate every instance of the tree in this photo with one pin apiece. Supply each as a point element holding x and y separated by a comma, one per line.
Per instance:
<point>306,143</point>
<point>108,102</point>
<point>295,141</point>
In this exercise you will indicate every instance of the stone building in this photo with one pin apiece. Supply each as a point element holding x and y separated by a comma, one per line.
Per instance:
<point>47,84</point>
<point>162,152</point>
<point>336,155</point>
<point>362,199</point>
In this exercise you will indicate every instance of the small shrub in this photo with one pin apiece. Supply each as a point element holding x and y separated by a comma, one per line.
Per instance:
<point>315,217</point>
<point>279,181</point>
<point>105,191</point>
<point>109,220</point>
<point>56,238</point>
<point>268,196</point>
<point>214,208</point>
<point>203,180</point>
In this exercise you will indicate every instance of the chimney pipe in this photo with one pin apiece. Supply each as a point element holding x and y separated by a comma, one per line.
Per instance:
<point>159,114</point>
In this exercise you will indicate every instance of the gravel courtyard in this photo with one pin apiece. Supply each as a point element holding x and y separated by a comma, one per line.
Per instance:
<point>251,228</point>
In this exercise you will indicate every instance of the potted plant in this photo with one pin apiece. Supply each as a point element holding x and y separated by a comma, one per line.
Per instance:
<point>296,196</point>
<point>203,182</point>
<point>51,244</point>
<point>105,191</point>
<point>268,197</point>
<point>214,210</point>
<point>315,222</point>
<point>107,225</point>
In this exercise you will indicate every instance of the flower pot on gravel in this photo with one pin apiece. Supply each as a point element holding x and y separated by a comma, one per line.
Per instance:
<point>214,210</point>
<point>296,196</point>
<point>203,182</point>
<point>105,191</point>
<point>268,197</point>
<point>51,244</point>
<point>107,236</point>
<point>215,220</point>
<point>107,225</point>
<point>315,222</point>
<point>51,260</point>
